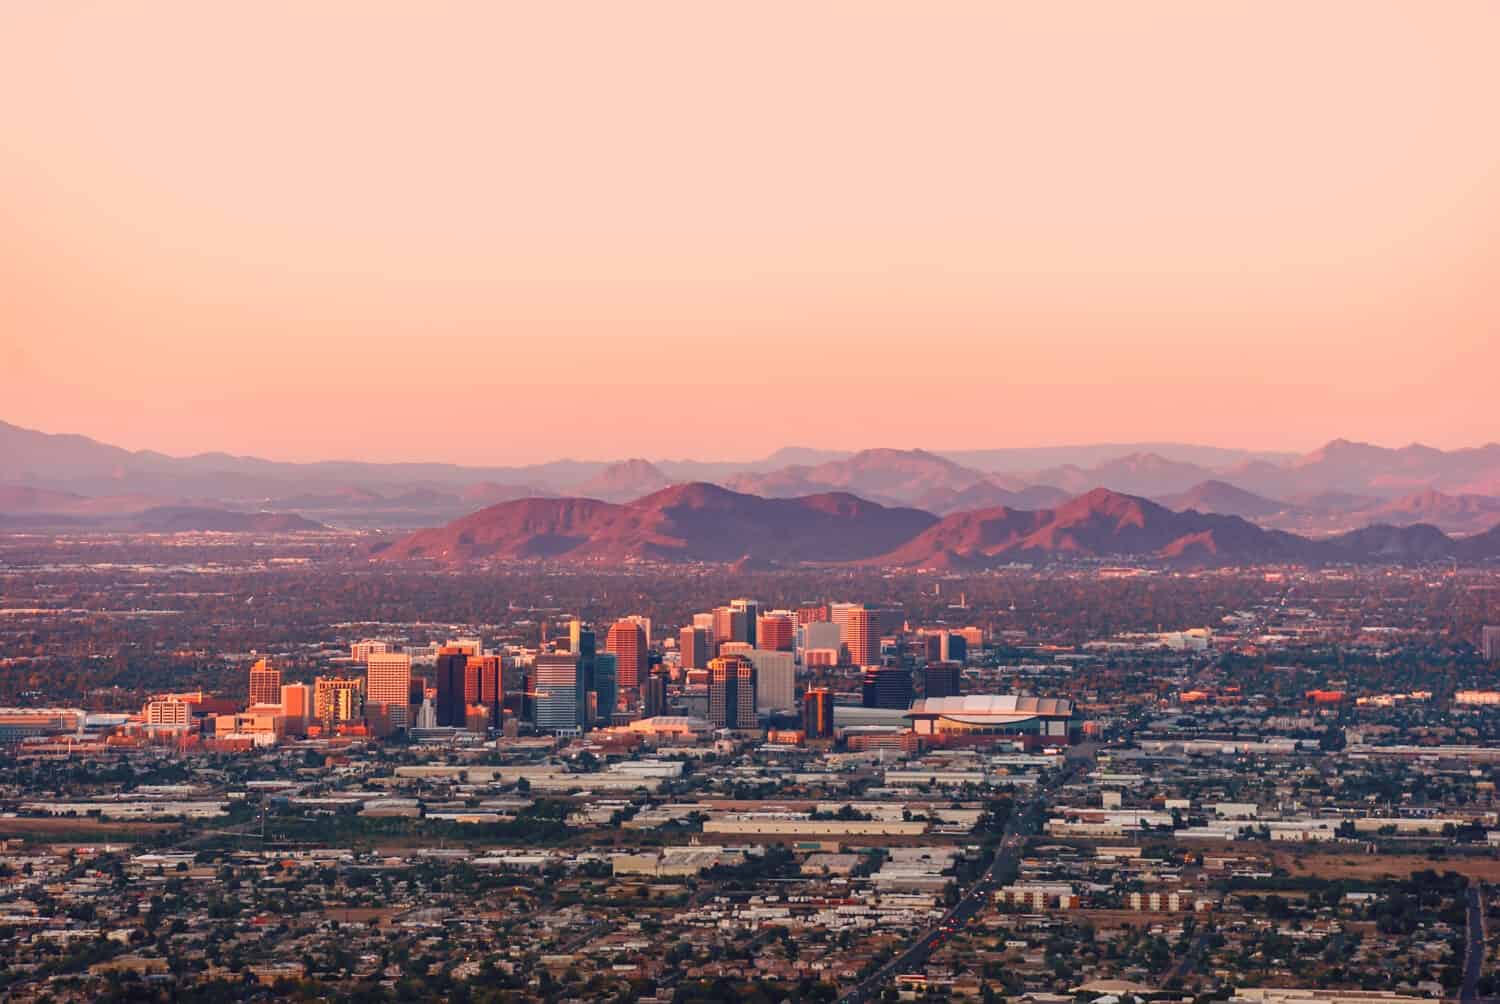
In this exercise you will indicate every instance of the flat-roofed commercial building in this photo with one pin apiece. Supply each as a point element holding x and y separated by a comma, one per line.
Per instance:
<point>23,723</point>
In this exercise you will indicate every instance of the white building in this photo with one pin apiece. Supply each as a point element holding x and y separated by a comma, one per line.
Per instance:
<point>775,678</point>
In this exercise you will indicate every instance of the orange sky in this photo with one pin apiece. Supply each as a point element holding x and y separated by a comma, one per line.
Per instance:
<point>497,232</point>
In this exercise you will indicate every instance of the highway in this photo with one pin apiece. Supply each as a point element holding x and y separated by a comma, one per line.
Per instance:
<point>1025,821</point>
<point>1473,946</point>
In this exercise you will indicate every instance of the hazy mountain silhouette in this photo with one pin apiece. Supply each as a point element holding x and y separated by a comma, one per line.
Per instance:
<point>691,522</point>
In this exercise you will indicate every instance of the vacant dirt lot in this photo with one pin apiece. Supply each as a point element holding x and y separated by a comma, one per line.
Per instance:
<point>1374,866</point>
<point>83,828</point>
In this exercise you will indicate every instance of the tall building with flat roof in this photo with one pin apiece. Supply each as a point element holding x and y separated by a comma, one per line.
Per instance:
<point>388,682</point>
<point>451,668</point>
<point>654,695</point>
<point>817,713</point>
<point>730,624</point>
<point>557,693</point>
<point>775,680</point>
<point>338,699</point>
<point>692,645</point>
<point>627,640</point>
<point>861,638</point>
<point>483,687</point>
<point>731,692</point>
<point>775,632</point>
<point>605,686</point>
<point>296,706</point>
<point>265,683</point>
<point>942,679</point>
<point>887,687</point>
<point>751,610</point>
<point>1489,642</point>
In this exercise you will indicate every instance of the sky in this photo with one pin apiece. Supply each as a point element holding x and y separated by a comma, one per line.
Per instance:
<point>504,232</point>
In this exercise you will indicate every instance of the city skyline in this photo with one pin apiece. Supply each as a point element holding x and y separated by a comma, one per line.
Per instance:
<point>1045,225</point>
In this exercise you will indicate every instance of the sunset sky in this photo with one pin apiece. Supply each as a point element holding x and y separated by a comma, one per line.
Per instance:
<point>497,232</point>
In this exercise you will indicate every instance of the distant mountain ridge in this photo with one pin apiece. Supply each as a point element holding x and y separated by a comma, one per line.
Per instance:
<point>702,522</point>
<point>689,522</point>
<point>626,480</point>
<point>1341,486</point>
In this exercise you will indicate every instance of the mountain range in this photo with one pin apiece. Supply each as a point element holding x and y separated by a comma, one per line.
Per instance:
<point>73,480</point>
<point>704,522</point>
<point>688,522</point>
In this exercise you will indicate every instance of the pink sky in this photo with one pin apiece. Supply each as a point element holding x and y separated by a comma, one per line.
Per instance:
<point>498,232</point>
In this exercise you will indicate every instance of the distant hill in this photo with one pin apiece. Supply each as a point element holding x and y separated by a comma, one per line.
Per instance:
<point>189,519</point>
<point>1465,513</point>
<point>629,479</point>
<point>692,522</point>
<point>1418,542</point>
<point>1224,499</point>
<point>988,495</point>
<point>894,477</point>
<point>1364,469</point>
<point>1135,473</point>
<point>1098,523</point>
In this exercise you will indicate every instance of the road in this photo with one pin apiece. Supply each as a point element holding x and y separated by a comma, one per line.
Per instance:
<point>1024,821</point>
<point>1473,946</point>
<point>1189,961</point>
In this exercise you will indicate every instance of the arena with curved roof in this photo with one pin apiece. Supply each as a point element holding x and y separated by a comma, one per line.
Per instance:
<point>993,715</point>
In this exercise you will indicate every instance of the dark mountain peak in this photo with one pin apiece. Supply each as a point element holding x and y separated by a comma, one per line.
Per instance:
<point>1106,502</point>
<point>1418,541</point>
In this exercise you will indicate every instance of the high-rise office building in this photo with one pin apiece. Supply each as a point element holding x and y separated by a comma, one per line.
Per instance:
<point>942,679</point>
<point>388,682</point>
<point>817,713</point>
<point>775,680</point>
<point>450,670</point>
<point>954,647</point>
<point>692,645</point>
<point>860,637</point>
<point>627,640</point>
<point>751,610</point>
<point>731,692</point>
<point>654,694</point>
<point>1489,642</point>
<point>775,632</point>
<point>265,683</point>
<point>296,706</point>
<point>812,613</point>
<point>557,693</point>
<point>887,687</point>
<point>821,635</point>
<point>484,687</point>
<point>338,699</point>
<point>730,624</point>
<point>605,687</point>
